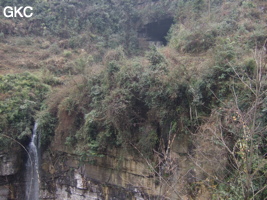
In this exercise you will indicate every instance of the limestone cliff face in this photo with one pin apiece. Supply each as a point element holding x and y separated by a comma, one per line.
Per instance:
<point>107,178</point>
<point>122,175</point>
<point>117,175</point>
<point>11,165</point>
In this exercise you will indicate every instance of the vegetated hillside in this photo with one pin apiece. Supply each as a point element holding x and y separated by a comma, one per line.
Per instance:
<point>64,38</point>
<point>208,83</point>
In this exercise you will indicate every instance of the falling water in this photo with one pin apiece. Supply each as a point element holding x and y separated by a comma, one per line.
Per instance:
<point>32,168</point>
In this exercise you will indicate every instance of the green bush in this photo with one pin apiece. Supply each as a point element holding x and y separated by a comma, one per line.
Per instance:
<point>67,53</point>
<point>224,52</point>
<point>46,127</point>
<point>54,49</point>
<point>22,95</point>
<point>49,79</point>
<point>155,57</point>
<point>192,41</point>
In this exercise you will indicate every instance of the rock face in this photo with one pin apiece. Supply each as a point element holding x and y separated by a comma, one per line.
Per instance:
<point>155,24</point>
<point>9,163</point>
<point>101,180</point>
<point>10,171</point>
<point>77,187</point>
<point>4,192</point>
<point>117,175</point>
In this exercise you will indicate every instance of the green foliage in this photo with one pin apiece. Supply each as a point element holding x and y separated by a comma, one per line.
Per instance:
<point>16,2</point>
<point>46,127</point>
<point>228,191</point>
<point>138,102</point>
<point>198,5</point>
<point>258,37</point>
<point>250,66</point>
<point>54,49</point>
<point>119,101</point>
<point>49,79</point>
<point>248,4</point>
<point>200,42</point>
<point>21,96</point>
<point>67,53</point>
<point>147,141</point>
<point>155,57</point>
<point>224,51</point>
<point>77,41</point>
<point>24,41</point>
<point>73,20</point>
<point>195,41</point>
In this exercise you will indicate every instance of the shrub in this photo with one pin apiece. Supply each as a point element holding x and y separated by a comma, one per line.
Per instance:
<point>78,41</point>
<point>258,37</point>
<point>116,54</point>
<point>22,95</point>
<point>49,79</point>
<point>46,127</point>
<point>67,53</point>
<point>155,57</point>
<point>193,41</point>
<point>24,41</point>
<point>224,52</point>
<point>54,49</point>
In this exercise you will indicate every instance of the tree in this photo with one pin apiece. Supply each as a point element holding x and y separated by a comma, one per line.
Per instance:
<point>236,138</point>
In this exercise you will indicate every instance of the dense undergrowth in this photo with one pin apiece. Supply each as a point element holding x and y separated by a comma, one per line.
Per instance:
<point>93,25</point>
<point>21,97</point>
<point>209,82</point>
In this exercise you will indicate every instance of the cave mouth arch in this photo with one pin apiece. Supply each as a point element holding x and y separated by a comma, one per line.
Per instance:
<point>157,31</point>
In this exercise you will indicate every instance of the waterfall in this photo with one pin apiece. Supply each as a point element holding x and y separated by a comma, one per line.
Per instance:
<point>32,168</point>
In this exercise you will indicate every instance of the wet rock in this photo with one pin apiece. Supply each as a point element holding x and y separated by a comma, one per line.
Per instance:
<point>9,163</point>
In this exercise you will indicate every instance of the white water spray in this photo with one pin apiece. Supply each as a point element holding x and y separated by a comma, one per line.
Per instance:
<point>32,168</point>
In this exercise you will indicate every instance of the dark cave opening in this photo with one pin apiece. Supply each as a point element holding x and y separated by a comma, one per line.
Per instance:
<point>157,31</point>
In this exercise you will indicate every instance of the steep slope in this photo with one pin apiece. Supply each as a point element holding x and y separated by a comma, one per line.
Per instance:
<point>181,121</point>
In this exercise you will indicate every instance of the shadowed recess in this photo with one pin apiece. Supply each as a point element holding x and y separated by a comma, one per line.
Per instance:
<point>157,31</point>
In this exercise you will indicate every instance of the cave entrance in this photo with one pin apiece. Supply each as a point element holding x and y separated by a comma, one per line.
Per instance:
<point>156,32</point>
